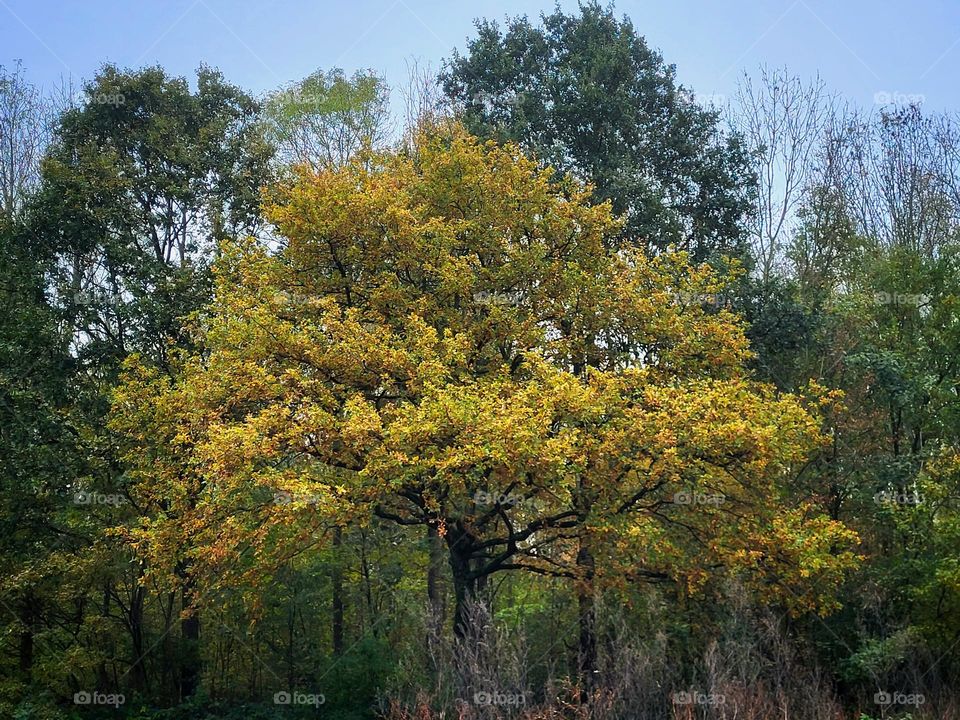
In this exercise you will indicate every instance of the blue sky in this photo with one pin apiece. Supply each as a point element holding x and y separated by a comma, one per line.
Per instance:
<point>859,47</point>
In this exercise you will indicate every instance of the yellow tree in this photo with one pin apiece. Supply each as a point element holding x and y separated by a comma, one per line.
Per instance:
<point>446,340</point>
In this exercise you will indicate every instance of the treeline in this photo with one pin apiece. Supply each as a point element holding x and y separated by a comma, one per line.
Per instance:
<point>563,396</point>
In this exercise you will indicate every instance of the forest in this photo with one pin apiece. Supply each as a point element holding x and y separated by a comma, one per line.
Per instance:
<point>566,393</point>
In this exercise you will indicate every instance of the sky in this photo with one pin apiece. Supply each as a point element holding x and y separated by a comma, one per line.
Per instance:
<point>868,51</point>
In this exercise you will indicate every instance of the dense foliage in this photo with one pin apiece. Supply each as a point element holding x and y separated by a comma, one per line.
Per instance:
<point>526,411</point>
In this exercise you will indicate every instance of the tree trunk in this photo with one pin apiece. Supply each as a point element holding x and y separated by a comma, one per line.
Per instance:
<point>587,657</point>
<point>435,590</point>
<point>27,631</point>
<point>465,585</point>
<point>190,638</point>
<point>138,672</point>
<point>337,600</point>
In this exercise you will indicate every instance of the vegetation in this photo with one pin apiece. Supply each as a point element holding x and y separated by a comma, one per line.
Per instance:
<point>572,398</point>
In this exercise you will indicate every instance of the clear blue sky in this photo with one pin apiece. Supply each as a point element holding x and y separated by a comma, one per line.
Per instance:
<point>859,47</point>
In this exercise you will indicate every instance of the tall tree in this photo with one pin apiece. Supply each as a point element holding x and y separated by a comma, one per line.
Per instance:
<point>446,340</point>
<point>23,133</point>
<point>139,183</point>
<point>586,94</point>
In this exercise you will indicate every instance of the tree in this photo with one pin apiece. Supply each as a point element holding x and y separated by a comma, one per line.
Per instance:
<point>139,183</point>
<point>446,340</point>
<point>23,131</point>
<point>783,122</point>
<point>586,95</point>
<point>327,118</point>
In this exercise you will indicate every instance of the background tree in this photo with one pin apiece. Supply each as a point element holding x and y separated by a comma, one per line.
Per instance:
<point>783,121</point>
<point>23,133</point>
<point>136,187</point>
<point>585,94</point>
<point>327,118</point>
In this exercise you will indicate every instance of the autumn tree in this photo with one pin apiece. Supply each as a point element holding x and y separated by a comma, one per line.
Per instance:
<point>139,182</point>
<point>445,340</point>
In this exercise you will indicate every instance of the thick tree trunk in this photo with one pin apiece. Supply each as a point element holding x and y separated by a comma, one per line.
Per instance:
<point>27,631</point>
<point>465,585</point>
<point>138,672</point>
<point>587,656</point>
<point>587,651</point>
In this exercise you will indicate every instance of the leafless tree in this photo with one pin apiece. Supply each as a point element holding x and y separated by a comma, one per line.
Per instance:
<point>423,101</point>
<point>899,176</point>
<point>22,138</point>
<point>783,120</point>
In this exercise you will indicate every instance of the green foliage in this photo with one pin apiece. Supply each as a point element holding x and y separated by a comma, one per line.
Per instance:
<point>585,94</point>
<point>326,118</point>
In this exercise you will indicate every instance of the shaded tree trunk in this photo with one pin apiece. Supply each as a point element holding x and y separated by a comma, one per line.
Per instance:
<point>337,599</point>
<point>435,590</point>
<point>465,583</point>
<point>138,672</point>
<point>587,656</point>
<point>28,618</point>
<point>190,638</point>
